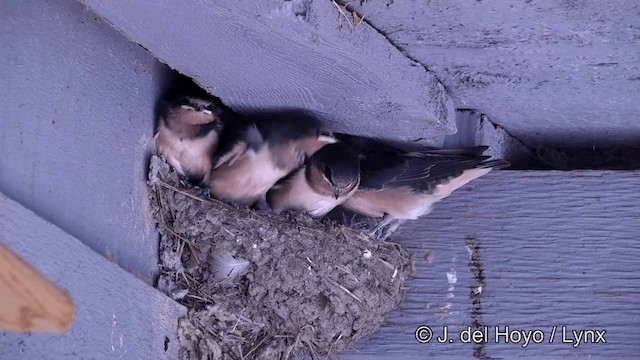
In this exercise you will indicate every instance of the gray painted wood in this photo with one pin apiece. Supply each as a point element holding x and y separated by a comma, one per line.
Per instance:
<point>555,248</point>
<point>275,54</point>
<point>564,73</point>
<point>116,315</point>
<point>75,122</point>
<point>475,129</point>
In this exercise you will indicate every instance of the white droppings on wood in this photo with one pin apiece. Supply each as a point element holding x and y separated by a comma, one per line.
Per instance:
<point>557,248</point>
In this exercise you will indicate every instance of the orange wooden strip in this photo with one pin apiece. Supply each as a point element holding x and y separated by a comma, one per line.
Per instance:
<point>28,301</point>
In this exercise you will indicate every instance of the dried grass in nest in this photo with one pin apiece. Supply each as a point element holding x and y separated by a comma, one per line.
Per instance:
<point>266,286</point>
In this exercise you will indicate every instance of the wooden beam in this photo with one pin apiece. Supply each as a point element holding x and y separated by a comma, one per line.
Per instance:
<point>87,177</point>
<point>261,54</point>
<point>528,250</point>
<point>573,84</point>
<point>117,315</point>
<point>29,301</point>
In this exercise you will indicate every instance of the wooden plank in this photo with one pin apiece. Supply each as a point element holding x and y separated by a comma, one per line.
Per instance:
<point>548,249</point>
<point>76,129</point>
<point>290,54</point>
<point>559,73</point>
<point>476,129</point>
<point>29,301</point>
<point>117,315</point>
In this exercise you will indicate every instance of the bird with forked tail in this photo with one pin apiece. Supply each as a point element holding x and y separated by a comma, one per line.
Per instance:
<point>399,185</point>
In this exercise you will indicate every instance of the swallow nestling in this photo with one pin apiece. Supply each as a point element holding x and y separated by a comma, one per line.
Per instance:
<point>330,177</point>
<point>255,153</point>
<point>400,185</point>
<point>188,132</point>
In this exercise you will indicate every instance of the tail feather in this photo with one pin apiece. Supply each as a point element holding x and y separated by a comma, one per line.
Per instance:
<point>471,152</point>
<point>495,164</point>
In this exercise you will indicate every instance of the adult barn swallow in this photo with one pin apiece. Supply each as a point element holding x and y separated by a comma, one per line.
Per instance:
<point>188,132</point>
<point>330,177</point>
<point>257,151</point>
<point>400,185</point>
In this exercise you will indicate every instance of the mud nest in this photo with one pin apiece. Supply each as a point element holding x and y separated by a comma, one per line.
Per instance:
<point>266,286</point>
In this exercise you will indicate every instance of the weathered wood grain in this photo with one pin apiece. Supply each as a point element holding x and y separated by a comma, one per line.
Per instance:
<point>290,54</point>
<point>476,129</point>
<point>117,316</point>
<point>76,121</point>
<point>559,73</point>
<point>29,301</point>
<point>548,248</point>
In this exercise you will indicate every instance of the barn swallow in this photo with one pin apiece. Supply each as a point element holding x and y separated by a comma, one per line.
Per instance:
<point>257,151</point>
<point>400,185</point>
<point>330,177</point>
<point>188,132</point>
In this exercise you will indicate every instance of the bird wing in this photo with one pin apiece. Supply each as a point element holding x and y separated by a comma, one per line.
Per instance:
<point>419,171</point>
<point>383,165</point>
<point>235,140</point>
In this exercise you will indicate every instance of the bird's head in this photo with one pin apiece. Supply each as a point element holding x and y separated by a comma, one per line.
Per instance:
<point>334,170</point>
<point>196,111</point>
<point>190,116</point>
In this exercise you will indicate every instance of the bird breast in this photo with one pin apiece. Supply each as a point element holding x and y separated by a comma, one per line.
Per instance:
<point>297,194</point>
<point>189,156</point>
<point>248,178</point>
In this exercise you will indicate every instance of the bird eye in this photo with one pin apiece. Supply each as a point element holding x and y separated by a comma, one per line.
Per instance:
<point>327,173</point>
<point>207,109</point>
<point>325,132</point>
<point>326,135</point>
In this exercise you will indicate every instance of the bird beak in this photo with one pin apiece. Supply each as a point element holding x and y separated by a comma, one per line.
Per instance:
<point>336,191</point>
